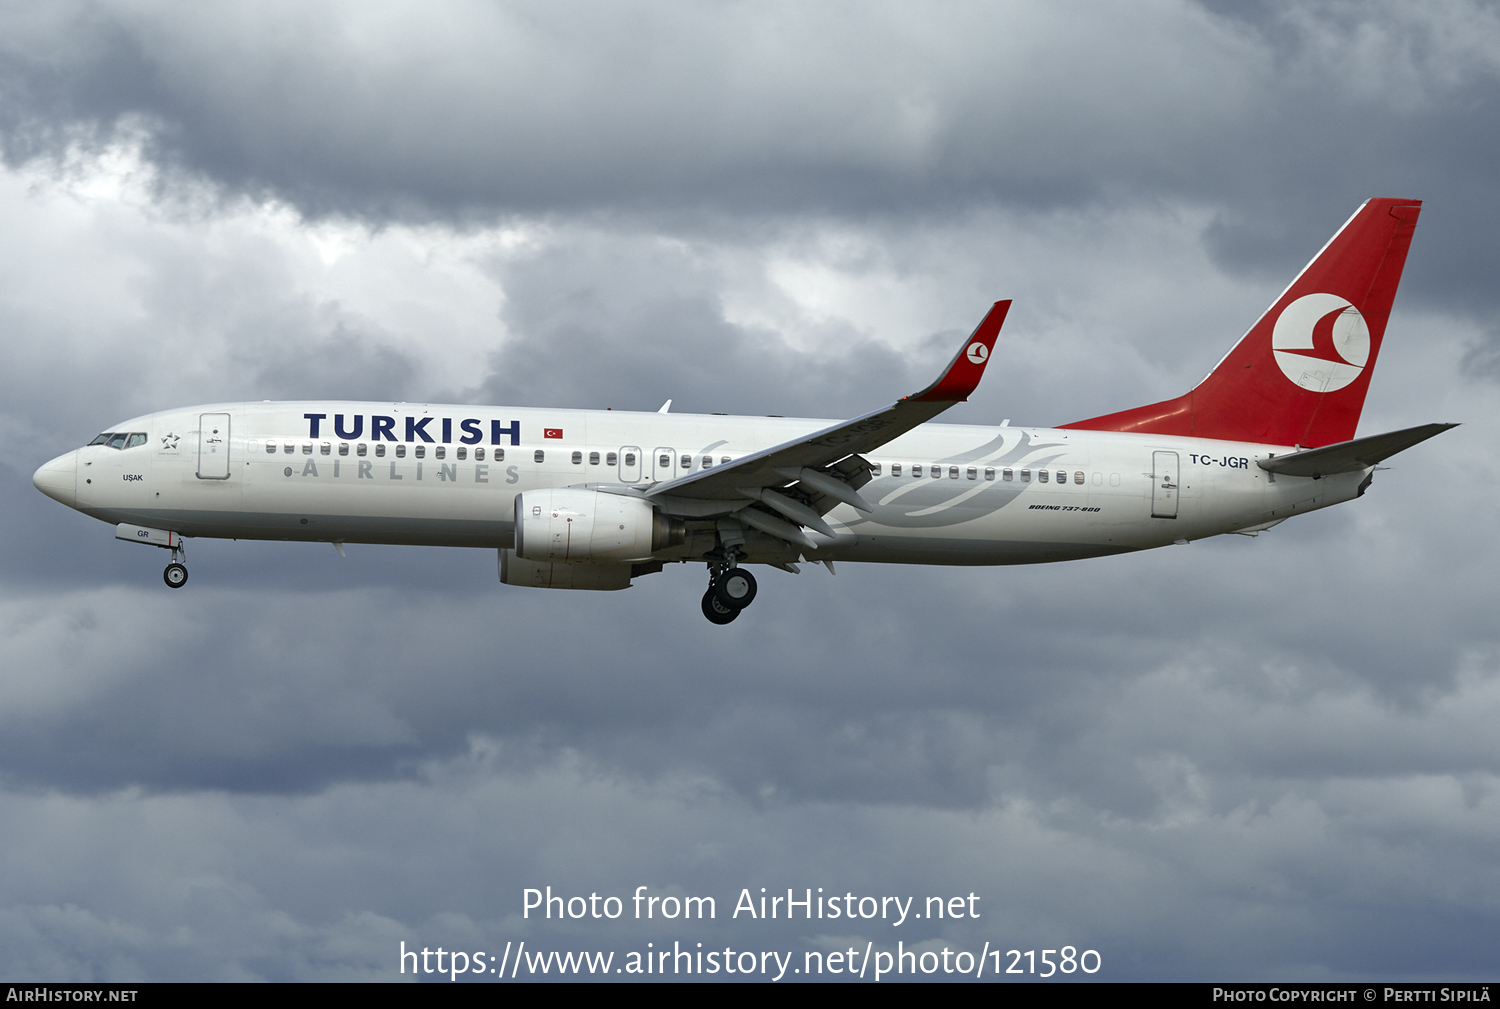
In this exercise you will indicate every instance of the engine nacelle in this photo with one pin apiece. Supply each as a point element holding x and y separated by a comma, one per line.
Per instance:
<point>557,575</point>
<point>572,525</point>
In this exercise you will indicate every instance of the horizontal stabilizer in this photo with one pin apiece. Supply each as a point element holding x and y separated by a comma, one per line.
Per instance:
<point>1350,456</point>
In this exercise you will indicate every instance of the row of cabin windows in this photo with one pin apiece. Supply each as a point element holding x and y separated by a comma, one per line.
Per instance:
<point>120,439</point>
<point>361,449</point>
<point>918,471</point>
<point>419,451</point>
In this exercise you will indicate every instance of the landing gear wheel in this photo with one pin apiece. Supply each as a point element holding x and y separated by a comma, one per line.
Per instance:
<point>175,576</point>
<point>735,589</point>
<point>716,611</point>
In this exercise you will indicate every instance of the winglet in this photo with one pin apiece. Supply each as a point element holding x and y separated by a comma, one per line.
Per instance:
<point>963,373</point>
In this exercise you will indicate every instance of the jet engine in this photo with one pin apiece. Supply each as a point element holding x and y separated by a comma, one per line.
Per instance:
<point>571,525</point>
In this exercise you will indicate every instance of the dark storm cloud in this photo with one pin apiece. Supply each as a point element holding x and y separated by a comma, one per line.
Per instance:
<point>612,320</point>
<point>1275,117</point>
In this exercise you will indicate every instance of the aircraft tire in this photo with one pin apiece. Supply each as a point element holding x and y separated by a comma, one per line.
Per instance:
<point>175,576</point>
<point>716,611</point>
<point>735,589</point>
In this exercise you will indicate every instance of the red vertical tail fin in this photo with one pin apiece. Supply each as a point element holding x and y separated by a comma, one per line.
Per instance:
<point>1300,375</point>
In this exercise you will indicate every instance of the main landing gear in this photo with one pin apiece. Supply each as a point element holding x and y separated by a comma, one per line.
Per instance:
<point>731,590</point>
<point>176,573</point>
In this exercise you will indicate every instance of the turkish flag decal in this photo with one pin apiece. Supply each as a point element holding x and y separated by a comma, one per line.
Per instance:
<point>552,432</point>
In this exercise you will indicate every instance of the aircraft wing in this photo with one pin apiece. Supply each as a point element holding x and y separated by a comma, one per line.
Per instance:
<point>825,466</point>
<point>1349,456</point>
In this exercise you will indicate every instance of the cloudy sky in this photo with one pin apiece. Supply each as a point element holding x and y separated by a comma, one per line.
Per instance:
<point>1268,758</point>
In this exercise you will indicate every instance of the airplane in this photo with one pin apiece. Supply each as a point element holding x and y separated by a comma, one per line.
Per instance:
<point>594,499</point>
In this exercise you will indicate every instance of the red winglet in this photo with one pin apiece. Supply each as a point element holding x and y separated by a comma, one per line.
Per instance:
<point>967,367</point>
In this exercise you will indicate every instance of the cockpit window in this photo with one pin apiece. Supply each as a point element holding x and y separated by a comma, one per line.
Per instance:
<point>106,436</point>
<point>136,438</point>
<point>117,440</point>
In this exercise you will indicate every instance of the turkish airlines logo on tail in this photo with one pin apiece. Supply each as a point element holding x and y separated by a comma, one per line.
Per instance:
<point>978,353</point>
<point>1321,342</point>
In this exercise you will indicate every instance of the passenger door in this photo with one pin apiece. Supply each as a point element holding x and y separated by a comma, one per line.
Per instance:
<point>1164,488</point>
<point>213,446</point>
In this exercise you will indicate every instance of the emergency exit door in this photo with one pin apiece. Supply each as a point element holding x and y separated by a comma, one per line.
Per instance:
<point>213,446</point>
<point>1164,485</point>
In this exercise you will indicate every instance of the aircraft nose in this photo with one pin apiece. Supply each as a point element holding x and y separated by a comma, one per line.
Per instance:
<point>58,479</point>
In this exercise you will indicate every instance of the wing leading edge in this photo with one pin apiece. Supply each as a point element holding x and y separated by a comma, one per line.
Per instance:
<point>824,468</point>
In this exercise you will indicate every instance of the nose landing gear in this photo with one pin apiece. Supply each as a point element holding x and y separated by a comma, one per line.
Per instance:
<point>176,573</point>
<point>731,590</point>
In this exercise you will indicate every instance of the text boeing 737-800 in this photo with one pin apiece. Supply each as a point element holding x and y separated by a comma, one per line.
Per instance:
<point>576,499</point>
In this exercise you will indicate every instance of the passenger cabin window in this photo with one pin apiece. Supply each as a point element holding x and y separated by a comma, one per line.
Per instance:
<point>577,458</point>
<point>420,451</point>
<point>611,458</point>
<point>687,462</point>
<point>708,461</point>
<point>593,458</point>
<point>895,469</point>
<point>1041,476</point>
<point>270,448</point>
<point>380,450</point>
<point>478,454</point>
<point>440,452</point>
<point>874,469</point>
<point>937,472</point>
<point>664,461</point>
<point>723,460</point>
<point>630,458</point>
<point>288,448</point>
<point>1007,474</point>
<point>1078,477</point>
<point>539,455</point>
<point>973,473</point>
<point>952,472</point>
<point>326,448</point>
<point>1026,476</point>
<point>1062,476</point>
<point>102,439</point>
<point>989,472</point>
<point>343,448</point>
<point>400,451</point>
<point>361,449</point>
<point>136,438</point>
<point>916,469</point>
<point>463,453</point>
<point>307,448</point>
<point>499,455</point>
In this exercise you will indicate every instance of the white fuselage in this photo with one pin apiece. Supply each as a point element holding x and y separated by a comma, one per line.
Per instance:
<point>350,472</point>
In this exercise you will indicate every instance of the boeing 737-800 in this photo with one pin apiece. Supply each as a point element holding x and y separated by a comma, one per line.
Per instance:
<point>588,499</point>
